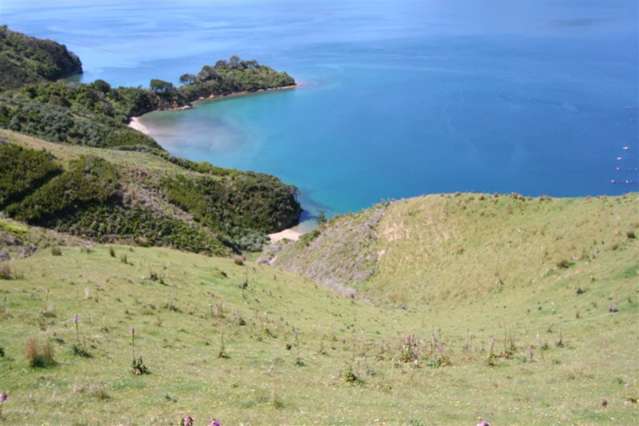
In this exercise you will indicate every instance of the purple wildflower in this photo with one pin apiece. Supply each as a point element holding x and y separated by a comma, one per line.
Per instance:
<point>187,421</point>
<point>3,397</point>
<point>215,422</point>
<point>483,423</point>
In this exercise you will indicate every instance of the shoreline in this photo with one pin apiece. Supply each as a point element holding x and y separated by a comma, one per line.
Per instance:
<point>136,124</point>
<point>287,234</point>
<point>294,233</point>
<point>242,94</point>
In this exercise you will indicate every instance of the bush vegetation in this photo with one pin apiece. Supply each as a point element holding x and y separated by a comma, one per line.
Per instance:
<point>231,208</point>
<point>88,181</point>
<point>243,207</point>
<point>232,76</point>
<point>25,59</point>
<point>22,170</point>
<point>106,223</point>
<point>81,114</point>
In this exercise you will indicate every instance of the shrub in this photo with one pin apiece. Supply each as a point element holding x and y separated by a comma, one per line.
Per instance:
<point>138,368</point>
<point>6,273</point>
<point>23,170</point>
<point>631,235</point>
<point>89,180</point>
<point>309,237</point>
<point>235,204</point>
<point>80,351</point>
<point>438,360</point>
<point>409,350</point>
<point>111,252</point>
<point>101,222</point>
<point>565,264</point>
<point>39,355</point>
<point>349,376</point>
<point>55,251</point>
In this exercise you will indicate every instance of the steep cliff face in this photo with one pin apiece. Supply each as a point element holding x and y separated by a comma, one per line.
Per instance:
<point>25,59</point>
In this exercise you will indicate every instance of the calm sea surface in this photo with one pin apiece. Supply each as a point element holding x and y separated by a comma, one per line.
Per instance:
<point>399,97</point>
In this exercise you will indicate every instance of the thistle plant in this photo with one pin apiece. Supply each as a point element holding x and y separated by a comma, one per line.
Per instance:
<point>137,364</point>
<point>76,323</point>
<point>531,354</point>
<point>492,358</point>
<point>409,351</point>
<point>79,348</point>
<point>3,398</point>
<point>222,353</point>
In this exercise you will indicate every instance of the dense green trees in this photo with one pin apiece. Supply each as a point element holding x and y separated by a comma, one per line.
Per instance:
<point>187,78</point>
<point>76,114</point>
<point>232,76</point>
<point>22,170</point>
<point>25,59</point>
<point>238,206</point>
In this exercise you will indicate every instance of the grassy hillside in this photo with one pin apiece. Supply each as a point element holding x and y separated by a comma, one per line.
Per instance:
<point>559,347</point>
<point>435,310</point>
<point>25,59</point>
<point>454,247</point>
<point>113,195</point>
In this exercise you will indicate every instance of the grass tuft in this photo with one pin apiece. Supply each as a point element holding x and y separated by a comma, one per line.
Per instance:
<point>39,355</point>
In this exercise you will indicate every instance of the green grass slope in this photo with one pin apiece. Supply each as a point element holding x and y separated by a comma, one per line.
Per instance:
<point>446,248</point>
<point>251,344</point>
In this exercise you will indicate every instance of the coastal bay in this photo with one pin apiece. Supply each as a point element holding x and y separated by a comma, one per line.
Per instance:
<point>408,99</point>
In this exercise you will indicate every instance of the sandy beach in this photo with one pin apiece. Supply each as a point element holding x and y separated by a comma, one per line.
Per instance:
<point>295,232</point>
<point>136,124</point>
<point>287,234</point>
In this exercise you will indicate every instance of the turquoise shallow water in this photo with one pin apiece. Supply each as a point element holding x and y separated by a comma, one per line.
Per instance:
<point>399,98</point>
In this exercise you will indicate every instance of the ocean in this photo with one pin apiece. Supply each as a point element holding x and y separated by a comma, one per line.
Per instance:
<point>398,98</point>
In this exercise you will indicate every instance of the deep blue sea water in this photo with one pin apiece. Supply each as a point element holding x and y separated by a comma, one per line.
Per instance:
<point>399,97</point>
